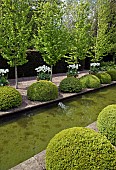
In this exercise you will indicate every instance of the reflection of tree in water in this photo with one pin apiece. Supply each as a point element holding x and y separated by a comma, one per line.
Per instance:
<point>25,122</point>
<point>88,101</point>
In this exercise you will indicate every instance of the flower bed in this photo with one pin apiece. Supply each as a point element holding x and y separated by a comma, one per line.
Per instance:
<point>3,77</point>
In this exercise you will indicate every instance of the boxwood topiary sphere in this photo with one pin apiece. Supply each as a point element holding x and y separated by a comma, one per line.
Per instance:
<point>70,84</point>
<point>106,123</point>
<point>90,81</point>
<point>9,98</point>
<point>80,148</point>
<point>112,73</point>
<point>104,77</point>
<point>42,90</point>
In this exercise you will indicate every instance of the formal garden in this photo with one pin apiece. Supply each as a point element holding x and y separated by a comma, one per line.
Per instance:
<point>73,32</point>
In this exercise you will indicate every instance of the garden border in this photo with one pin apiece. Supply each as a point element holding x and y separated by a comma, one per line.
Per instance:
<point>59,99</point>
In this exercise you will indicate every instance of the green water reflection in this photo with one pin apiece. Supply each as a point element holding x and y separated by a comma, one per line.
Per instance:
<point>24,137</point>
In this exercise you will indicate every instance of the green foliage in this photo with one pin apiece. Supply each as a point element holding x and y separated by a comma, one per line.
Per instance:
<point>94,68</point>
<point>15,29</point>
<point>113,27</point>
<point>43,76</point>
<point>72,70</point>
<point>106,123</point>
<point>102,43</point>
<point>104,77</point>
<point>112,73</point>
<point>9,98</point>
<point>90,81</point>
<point>76,19</point>
<point>70,84</point>
<point>51,38</point>
<point>110,65</point>
<point>3,81</point>
<point>80,148</point>
<point>43,72</point>
<point>3,77</point>
<point>42,90</point>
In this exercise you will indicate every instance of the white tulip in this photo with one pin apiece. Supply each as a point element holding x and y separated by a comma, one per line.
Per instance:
<point>43,69</point>
<point>94,64</point>
<point>4,71</point>
<point>74,66</point>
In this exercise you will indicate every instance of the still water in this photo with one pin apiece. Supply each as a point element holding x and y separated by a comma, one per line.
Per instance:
<point>25,136</point>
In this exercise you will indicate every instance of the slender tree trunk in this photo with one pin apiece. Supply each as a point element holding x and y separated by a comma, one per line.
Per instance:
<point>51,73</point>
<point>16,78</point>
<point>96,48</point>
<point>114,58</point>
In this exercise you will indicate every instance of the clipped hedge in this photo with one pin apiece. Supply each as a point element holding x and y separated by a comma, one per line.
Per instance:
<point>42,90</point>
<point>70,84</point>
<point>104,77</point>
<point>112,73</point>
<point>9,98</point>
<point>106,123</point>
<point>90,81</point>
<point>80,148</point>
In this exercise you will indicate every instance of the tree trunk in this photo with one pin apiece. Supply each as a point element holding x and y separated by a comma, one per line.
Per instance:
<point>51,73</point>
<point>114,58</point>
<point>16,78</point>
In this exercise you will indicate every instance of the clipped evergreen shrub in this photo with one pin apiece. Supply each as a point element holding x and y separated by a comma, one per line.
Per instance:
<point>70,84</point>
<point>9,98</point>
<point>106,123</point>
<point>42,90</point>
<point>80,148</point>
<point>90,81</point>
<point>112,73</point>
<point>104,77</point>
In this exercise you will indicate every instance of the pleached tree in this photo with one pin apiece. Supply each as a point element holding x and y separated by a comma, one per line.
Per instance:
<point>78,23</point>
<point>51,39</point>
<point>112,29</point>
<point>102,40</point>
<point>15,29</point>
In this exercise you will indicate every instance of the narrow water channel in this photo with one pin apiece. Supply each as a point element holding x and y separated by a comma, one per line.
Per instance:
<point>25,136</point>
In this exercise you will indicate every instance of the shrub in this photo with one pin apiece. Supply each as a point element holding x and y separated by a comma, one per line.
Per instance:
<point>70,84</point>
<point>3,77</point>
<point>80,148</point>
<point>42,90</point>
<point>112,73</point>
<point>9,98</point>
<point>94,68</point>
<point>43,73</point>
<point>110,65</point>
<point>104,77</point>
<point>106,123</point>
<point>72,70</point>
<point>3,81</point>
<point>90,81</point>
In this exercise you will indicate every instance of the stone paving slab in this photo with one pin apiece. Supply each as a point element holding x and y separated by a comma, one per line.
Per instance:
<point>37,162</point>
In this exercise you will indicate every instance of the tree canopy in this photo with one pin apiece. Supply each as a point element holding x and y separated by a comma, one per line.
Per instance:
<point>51,39</point>
<point>15,31</point>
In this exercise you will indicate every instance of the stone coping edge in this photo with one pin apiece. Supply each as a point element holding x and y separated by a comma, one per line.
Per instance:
<point>37,162</point>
